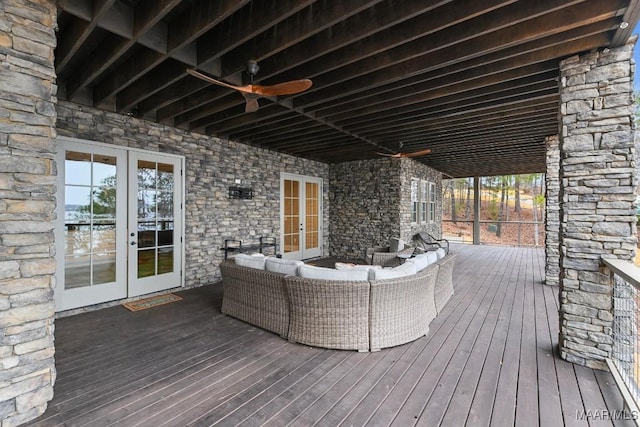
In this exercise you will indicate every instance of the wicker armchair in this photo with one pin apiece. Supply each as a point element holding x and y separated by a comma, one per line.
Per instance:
<point>329,314</point>
<point>427,242</point>
<point>255,296</point>
<point>381,256</point>
<point>402,308</point>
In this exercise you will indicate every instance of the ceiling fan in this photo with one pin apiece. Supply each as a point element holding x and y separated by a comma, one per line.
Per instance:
<point>252,92</point>
<point>404,155</point>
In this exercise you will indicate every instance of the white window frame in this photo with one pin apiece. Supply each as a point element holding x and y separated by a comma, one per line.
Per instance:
<point>432,202</point>
<point>415,200</point>
<point>423,201</point>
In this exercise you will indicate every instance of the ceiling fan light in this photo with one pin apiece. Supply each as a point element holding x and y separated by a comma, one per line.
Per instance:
<point>252,67</point>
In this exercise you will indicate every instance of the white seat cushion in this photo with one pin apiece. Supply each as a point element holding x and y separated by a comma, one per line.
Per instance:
<point>284,266</point>
<point>422,261</point>
<point>369,268</point>
<point>322,273</point>
<point>441,253</point>
<point>406,269</point>
<point>256,261</point>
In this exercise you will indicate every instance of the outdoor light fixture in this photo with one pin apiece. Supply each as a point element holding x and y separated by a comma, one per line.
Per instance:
<point>624,25</point>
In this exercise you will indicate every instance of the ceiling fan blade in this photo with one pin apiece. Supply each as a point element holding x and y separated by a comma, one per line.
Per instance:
<point>416,153</point>
<point>244,89</point>
<point>286,88</point>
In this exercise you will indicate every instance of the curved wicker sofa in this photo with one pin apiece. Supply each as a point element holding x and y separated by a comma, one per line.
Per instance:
<point>364,315</point>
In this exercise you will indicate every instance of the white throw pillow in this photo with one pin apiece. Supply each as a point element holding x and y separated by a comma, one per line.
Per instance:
<point>285,266</point>
<point>256,261</point>
<point>406,269</point>
<point>322,273</point>
<point>441,253</point>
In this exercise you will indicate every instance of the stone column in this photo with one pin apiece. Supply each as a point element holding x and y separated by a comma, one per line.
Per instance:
<point>27,203</point>
<point>552,208</point>
<point>597,172</point>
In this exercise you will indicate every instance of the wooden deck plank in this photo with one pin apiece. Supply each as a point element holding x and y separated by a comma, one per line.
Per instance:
<point>186,363</point>
<point>441,327</point>
<point>503,412</point>
<point>570,398</point>
<point>209,408</point>
<point>216,383</point>
<point>457,385</point>
<point>446,363</point>
<point>302,387</point>
<point>352,398</point>
<point>549,406</point>
<point>614,400</point>
<point>481,395</point>
<point>591,397</point>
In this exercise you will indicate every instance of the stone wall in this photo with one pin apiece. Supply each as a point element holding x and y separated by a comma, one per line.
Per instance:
<point>552,209</point>
<point>27,204</point>
<point>371,203</point>
<point>212,165</point>
<point>597,196</point>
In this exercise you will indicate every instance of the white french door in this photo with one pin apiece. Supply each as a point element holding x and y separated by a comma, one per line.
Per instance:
<point>154,223</point>
<point>300,216</point>
<point>119,223</point>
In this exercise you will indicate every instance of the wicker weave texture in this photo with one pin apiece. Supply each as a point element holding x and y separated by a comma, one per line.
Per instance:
<point>401,309</point>
<point>368,254</point>
<point>329,314</point>
<point>444,283</point>
<point>255,296</point>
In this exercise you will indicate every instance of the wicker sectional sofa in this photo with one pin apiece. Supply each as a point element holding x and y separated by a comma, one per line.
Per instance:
<point>363,315</point>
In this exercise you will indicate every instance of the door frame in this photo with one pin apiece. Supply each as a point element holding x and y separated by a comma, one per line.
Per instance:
<point>61,304</point>
<point>303,179</point>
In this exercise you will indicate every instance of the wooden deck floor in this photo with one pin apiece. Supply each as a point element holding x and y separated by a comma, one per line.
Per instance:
<point>490,359</point>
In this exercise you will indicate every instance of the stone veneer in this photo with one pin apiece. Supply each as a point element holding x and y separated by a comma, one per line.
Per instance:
<point>552,209</point>
<point>211,166</point>
<point>371,203</point>
<point>27,205</point>
<point>597,196</point>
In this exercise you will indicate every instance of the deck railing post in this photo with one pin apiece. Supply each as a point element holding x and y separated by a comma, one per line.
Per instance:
<point>476,210</point>
<point>597,175</point>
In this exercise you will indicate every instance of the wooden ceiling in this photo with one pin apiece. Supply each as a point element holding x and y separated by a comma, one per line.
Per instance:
<point>475,81</point>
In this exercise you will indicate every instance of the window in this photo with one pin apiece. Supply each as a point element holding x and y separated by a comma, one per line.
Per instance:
<point>415,200</point>
<point>432,202</point>
<point>423,201</point>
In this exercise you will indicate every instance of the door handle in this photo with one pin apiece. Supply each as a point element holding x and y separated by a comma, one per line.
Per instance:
<point>133,243</point>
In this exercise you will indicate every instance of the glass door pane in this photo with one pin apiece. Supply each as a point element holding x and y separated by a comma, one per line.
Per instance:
<point>92,224</point>
<point>312,213</point>
<point>155,252</point>
<point>89,219</point>
<point>291,216</point>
